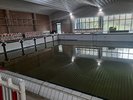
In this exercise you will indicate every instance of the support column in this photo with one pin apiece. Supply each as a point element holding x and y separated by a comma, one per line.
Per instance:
<point>34,21</point>
<point>7,20</point>
<point>99,53</point>
<point>72,24</point>
<point>101,22</point>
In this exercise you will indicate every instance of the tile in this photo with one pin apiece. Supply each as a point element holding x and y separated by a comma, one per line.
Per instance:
<point>41,91</point>
<point>86,96</point>
<point>52,85</point>
<point>60,96</point>
<point>65,97</point>
<point>95,98</point>
<point>60,88</point>
<point>45,92</point>
<point>67,90</point>
<point>53,94</point>
<point>49,93</point>
<point>76,93</point>
<point>69,97</point>
<point>56,95</point>
<point>75,98</point>
<point>46,83</point>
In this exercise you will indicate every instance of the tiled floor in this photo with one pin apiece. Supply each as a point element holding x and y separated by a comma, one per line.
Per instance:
<point>31,96</point>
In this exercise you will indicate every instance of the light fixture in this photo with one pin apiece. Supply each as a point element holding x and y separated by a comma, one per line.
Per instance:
<point>99,61</point>
<point>60,48</point>
<point>71,15</point>
<point>73,58</point>
<point>100,9</point>
<point>100,12</point>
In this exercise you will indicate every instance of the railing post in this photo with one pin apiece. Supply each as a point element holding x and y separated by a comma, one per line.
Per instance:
<point>22,89</point>
<point>11,95</point>
<point>45,42</point>
<point>58,39</point>
<point>1,92</point>
<point>35,44</point>
<point>4,49</point>
<point>53,39</point>
<point>22,47</point>
<point>9,82</point>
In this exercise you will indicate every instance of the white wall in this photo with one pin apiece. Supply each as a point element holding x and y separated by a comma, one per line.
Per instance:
<point>26,43</point>
<point>98,37</point>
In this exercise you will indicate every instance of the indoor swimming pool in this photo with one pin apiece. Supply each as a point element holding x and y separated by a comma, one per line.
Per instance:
<point>100,69</point>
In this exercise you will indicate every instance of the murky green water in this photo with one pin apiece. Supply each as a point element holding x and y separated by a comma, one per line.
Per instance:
<point>105,72</point>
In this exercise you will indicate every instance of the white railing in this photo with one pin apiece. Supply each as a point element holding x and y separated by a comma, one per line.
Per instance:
<point>10,91</point>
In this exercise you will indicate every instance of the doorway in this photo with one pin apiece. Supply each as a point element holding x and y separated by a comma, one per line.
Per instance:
<point>58,28</point>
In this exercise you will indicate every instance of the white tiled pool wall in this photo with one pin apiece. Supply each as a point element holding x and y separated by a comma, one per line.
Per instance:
<point>27,43</point>
<point>80,37</point>
<point>45,89</point>
<point>125,37</point>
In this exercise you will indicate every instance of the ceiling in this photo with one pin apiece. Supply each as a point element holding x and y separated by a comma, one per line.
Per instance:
<point>79,7</point>
<point>73,5</point>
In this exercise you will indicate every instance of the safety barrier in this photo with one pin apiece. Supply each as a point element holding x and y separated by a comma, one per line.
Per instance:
<point>5,48</point>
<point>33,34</point>
<point>10,91</point>
<point>48,90</point>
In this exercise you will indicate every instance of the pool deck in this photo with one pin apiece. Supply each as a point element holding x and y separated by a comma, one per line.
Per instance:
<point>31,96</point>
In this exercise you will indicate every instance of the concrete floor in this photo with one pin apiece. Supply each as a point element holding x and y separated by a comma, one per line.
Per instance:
<point>31,96</point>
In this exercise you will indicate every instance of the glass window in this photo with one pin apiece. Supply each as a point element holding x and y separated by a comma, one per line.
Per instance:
<point>116,17</point>
<point>125,56</point>
<point>111,18</point>
<point>116,24</point>
<point>87,20</point>
<point>120,21</point>
<point>130,56</point>
<point>130,50</point>
<point>95,24</point>
<point>128,24</point>
<point>87,23</point>
<point>122,25</point>
<point>91,19</point>
<point>128,16</point>
<point>111,24</point>
<point>91,25</point>
<point>122,16</point>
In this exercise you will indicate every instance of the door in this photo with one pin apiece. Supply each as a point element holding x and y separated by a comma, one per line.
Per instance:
<point>58,28</point>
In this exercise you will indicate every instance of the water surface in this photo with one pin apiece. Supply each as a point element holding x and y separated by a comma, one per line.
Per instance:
<point>103,71</point>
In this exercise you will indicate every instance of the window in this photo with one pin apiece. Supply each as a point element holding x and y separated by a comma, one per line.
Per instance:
<point>123,53</point>
<point>87,23</point>
<point>120,21</point>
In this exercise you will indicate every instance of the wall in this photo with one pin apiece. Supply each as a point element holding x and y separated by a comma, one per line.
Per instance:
<point>66,25</point>
<point>2,22</point>
<point>125,37</point>
<point>15,21</point>
<point>27,43</point>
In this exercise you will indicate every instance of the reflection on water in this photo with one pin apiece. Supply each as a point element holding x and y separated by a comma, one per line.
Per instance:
<point>123,53</point>
<point>106,72</point>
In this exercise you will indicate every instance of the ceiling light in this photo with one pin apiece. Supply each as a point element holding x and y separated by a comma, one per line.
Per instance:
<point>71,15</point>
<point>100,12</point>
